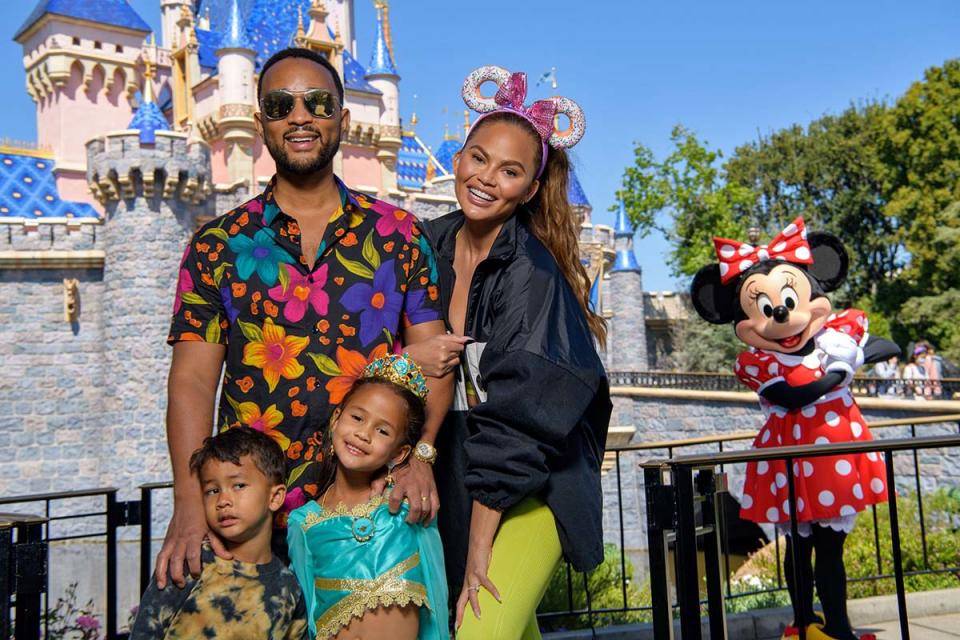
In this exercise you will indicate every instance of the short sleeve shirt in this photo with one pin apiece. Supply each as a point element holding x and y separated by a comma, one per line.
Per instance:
<point>298,338</point>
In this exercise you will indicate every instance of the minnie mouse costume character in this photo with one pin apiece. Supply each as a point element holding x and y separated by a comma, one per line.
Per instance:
<point>801,361</point>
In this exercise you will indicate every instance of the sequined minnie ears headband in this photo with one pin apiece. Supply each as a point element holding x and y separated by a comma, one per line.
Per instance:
<point>511,92</point>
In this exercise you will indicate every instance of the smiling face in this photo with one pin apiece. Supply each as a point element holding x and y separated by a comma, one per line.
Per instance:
<point>238,500</point>
<point>781,316</point>
<point>370,429</point>
<point>300,143</point>
<point>496,170</point>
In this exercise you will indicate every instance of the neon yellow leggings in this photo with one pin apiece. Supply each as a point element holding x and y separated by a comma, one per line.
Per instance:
<point>526,552</point>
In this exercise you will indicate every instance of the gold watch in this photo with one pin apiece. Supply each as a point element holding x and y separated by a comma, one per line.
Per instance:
<point>425,452</point>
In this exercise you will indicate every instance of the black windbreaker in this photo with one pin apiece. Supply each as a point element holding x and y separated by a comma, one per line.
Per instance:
<point>541,426</point>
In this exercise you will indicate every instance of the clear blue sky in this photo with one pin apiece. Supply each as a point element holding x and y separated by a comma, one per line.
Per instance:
<point>727,70</point>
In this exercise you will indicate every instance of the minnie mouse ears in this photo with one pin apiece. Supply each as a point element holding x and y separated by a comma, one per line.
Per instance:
<point>714,294</point>
<point>511,92</point>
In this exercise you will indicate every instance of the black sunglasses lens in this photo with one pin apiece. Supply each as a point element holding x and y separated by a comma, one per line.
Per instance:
<point>277,104</point>
<point>319,103</point>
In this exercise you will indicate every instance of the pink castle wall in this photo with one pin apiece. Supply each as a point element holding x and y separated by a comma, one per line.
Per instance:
<point>360,166</point>
<point>72,115</point>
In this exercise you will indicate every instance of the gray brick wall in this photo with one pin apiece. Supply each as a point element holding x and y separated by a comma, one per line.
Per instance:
<point>627,341</point>
<point>49,392</point>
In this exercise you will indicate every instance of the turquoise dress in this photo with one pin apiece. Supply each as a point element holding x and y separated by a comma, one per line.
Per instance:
<point>352,560</point>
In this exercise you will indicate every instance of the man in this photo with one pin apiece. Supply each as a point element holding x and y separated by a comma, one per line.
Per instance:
<point>295,291</point>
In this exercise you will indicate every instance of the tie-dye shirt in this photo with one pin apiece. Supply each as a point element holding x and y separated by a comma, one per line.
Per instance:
<point>231,600</point>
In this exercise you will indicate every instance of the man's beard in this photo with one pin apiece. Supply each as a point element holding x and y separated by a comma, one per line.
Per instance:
<point>305,167</point>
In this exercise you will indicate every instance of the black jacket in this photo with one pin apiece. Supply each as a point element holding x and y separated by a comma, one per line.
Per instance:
<point>541,426</point>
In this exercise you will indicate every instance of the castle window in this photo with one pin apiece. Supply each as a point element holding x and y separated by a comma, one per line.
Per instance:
<point>119,48</point>
<point>97,44</point>
<point>76,41</point>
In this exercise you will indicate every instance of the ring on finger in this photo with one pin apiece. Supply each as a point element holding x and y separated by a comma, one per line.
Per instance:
<point>475,587</point>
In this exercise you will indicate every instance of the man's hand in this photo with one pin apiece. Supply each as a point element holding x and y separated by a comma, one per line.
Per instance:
<point>185,534</point>
<point>413,481</point>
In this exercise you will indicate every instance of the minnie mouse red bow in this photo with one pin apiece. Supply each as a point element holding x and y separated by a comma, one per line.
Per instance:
<point>736,257</point>
<point>540,114</point>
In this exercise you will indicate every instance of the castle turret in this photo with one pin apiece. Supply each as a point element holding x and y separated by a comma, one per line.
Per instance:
<point>236,64</point>
<point>382,74</point>
<point>152,195</point>
<point>627,344</point>
<point>170,13</point>
<point>80,60</point>
<point>148,118</point>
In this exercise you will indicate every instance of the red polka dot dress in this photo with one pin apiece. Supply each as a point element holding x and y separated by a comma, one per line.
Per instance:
<point>832,488</point>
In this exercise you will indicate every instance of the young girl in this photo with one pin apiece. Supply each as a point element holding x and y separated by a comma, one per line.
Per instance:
<point>364,572</point>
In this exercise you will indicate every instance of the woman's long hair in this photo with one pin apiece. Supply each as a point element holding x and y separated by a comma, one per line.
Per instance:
<point>551,219</point>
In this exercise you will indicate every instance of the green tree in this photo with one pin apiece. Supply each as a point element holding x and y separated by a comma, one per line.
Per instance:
<point>701,346</point>
<point>921,156</point>
<point>688,185</point>
<point>885,179</point>
<point>829,173</point>
<point>935,316</point>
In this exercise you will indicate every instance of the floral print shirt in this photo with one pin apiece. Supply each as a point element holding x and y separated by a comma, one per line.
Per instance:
<point>298,338</point>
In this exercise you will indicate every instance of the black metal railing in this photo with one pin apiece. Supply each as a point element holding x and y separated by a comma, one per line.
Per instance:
<point>688,482</point>
<point>866,386</point>
<point>664,507</point>
<point>23,574</point>
<point>661,508</point>
<point>32,580</point>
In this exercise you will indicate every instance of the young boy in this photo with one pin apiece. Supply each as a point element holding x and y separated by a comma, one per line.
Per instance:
<point>254,596</point>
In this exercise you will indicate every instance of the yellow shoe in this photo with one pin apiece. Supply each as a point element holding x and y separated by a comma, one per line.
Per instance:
<point>815,632</point>
<point>791,632</point>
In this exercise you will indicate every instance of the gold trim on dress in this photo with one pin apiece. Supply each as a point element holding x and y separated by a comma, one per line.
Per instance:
<point>385,591</point>
<point>364,510</point>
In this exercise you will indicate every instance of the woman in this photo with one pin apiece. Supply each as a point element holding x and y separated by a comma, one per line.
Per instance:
<point>518,466</point>
<point>915,371</point>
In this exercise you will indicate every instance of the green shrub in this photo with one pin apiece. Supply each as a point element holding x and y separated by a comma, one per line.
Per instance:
<point>942,520</point>
<point>606,592</point>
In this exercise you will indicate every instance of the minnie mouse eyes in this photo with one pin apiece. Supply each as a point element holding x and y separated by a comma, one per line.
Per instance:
<point>789,297</point>
<point>765,305</point>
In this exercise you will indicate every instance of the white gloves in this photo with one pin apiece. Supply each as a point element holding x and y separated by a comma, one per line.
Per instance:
<point>840,353</point>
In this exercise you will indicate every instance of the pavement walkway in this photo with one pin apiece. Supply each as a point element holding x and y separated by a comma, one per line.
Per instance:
<point>945,627</point>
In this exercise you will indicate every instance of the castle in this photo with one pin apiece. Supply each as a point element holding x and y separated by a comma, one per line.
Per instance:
<point>143,137</point>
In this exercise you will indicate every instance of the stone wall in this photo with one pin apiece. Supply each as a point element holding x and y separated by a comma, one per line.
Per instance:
<point>50,387</point>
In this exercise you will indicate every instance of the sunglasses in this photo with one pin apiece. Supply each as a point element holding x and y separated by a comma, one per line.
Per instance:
<point>278,104</point>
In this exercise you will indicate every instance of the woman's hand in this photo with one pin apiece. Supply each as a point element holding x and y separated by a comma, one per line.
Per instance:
<point>438,355</point>
<point>484,522</point>
<point>478,562</point>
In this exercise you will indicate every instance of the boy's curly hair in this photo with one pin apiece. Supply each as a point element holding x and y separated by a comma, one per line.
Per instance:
<point>232,444</point>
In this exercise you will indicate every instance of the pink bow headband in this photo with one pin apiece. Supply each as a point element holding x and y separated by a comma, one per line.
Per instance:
<point>511,92</point>
<point>736,257</point>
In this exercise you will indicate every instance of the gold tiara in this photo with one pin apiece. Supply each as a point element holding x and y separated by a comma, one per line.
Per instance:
<point>399,370</point>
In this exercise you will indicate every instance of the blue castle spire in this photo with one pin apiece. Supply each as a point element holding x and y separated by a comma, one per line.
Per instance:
<point>235,36</point>
<point>116,13</point>
<point>623,233</point>
<point>622,228</point>
<point>381,62</point>
<point>148,117</point>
